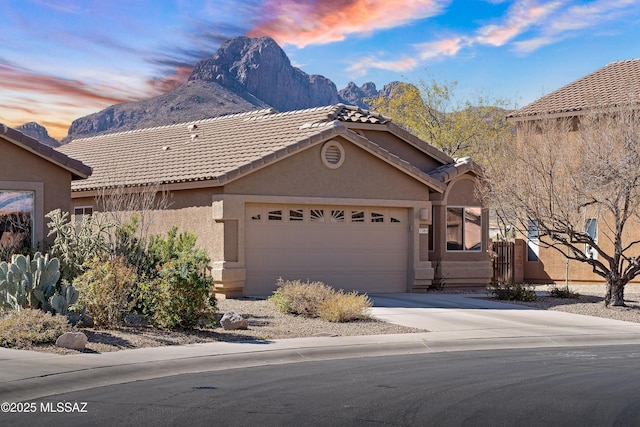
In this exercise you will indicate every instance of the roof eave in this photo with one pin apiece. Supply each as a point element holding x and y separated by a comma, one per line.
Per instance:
<point>77,169</point>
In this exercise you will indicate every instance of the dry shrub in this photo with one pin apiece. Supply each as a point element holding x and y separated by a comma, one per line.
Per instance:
<point>27,327</point>
<point>106,289</point>
<point>316,299</point>
<point>345,307</point>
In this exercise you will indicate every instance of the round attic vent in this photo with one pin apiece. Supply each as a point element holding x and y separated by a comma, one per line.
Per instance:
<point>332,154</point>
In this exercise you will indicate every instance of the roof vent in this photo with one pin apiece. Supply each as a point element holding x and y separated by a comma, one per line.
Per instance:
<point>332,154</point>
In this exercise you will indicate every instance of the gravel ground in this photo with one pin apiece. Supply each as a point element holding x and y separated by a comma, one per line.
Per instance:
<point>590,302</point>
<point>266,323</point>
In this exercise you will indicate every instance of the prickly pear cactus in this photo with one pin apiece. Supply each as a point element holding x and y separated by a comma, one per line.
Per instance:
<point>28,283</point>
<point>60,302</point>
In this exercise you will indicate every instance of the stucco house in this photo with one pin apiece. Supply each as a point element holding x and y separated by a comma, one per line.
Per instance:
<point>616,84</point>
<point>334,193</point>
<point>34,180</point>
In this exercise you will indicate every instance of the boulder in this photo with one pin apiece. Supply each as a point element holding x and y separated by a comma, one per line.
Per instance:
<point>232,321</point>
<point>72,340</point>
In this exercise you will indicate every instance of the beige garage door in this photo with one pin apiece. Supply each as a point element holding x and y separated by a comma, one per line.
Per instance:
<point>351,248</point>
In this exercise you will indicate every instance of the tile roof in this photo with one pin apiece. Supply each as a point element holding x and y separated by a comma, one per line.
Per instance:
<point>616,84</point>
<point>78,169</point>
<point>221,148</point>
<point>446,173</point>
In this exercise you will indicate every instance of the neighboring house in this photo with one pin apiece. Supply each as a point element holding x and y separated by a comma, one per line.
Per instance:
<point>616,84</point>
<point>34,180</point>
<point>334,193</point>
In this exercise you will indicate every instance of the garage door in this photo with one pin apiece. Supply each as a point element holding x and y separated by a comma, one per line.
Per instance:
<point>350,248</point>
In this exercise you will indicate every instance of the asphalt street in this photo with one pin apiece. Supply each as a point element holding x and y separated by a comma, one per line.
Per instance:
<point>581,386</point>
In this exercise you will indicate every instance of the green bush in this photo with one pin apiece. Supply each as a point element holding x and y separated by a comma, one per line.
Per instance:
<point>30,326</point>
<point>512,292</point>
<point>106,289</point>
<point>563,292</point>
<point>180,296</point>
<point>316,299</point>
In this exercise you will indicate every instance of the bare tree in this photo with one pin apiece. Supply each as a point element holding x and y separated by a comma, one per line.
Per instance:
<point>132,211</point>
<point>561,175</point>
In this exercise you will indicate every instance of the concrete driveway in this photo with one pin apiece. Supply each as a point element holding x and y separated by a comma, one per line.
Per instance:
<point>474,316</point>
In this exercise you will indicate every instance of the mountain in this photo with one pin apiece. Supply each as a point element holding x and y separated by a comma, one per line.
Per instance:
<point>262,68</point>
<point>34,130</point>
<point>244,74</point>
<point>355,95</point>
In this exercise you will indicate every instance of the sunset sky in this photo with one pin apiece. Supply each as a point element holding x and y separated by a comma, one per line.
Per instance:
<point>60,60</point>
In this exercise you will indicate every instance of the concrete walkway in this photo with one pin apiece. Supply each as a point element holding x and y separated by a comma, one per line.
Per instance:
<point>453,322</point>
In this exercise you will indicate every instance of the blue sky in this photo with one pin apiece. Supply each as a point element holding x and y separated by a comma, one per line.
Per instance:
<point>60,60</point>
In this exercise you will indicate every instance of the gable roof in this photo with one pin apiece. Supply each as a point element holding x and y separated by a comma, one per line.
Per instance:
<point>224,148</point>
<point>616,84</point>
<point>78,169</point>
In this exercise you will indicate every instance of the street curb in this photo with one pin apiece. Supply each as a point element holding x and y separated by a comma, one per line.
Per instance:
<point>64,375</point>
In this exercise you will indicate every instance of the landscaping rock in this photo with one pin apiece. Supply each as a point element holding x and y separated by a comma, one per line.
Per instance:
<point>80,321</point>
<point>232,321</point>
<point>72,340</point>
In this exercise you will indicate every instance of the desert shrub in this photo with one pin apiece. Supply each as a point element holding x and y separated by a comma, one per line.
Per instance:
<point>512,292</point>
<point>163,249</point>
<point>563,292</point>
<point>316,299</point>
<point>106,288</point>
<point>303,298</point>
<point>77,243</point>
<point>180,296</point>
<point>345,307</point>
<point>31,326</point>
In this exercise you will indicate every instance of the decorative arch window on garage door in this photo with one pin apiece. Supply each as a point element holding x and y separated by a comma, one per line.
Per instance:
<point>16,220</point>
<point>464,229</point>
<point>322,215</point>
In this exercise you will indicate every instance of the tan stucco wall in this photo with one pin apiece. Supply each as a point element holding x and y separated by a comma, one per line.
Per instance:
<point>460,268</point>
<point>391,143</point>
<point>23,170</point>
<point>303,174</point>
<point>189,210</point>
<point>553,267</point>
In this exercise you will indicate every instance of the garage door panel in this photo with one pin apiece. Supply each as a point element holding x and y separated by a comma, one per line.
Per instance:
<point>364,251</point>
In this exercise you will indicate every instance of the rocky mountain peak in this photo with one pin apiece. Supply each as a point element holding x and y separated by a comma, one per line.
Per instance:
<point>260,67</point>
<point>36,131</point>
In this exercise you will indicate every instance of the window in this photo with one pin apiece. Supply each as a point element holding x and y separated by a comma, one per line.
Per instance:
<point>357,216</point>
<point>533,241</point>
<point>275,215</point>
<point>16,219</point>
<point>377,217</point>
<point>80,211</point>
<point>337,216</point>
<point>591,228</point>
<point>296,214</point>
<point>464,229</point>
<point>316,215</point>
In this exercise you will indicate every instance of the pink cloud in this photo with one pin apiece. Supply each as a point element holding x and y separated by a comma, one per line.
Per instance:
<point>360,67</point>
<point>447,47</point>
<point>521,16</point>
<point>29,96</point>
<point>325,21</point>
<point>165,84</point>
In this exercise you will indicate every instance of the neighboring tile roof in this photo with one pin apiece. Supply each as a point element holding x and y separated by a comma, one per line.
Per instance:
<point>220,148</point>
<point>616,84</point>
<point>78,169</point>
